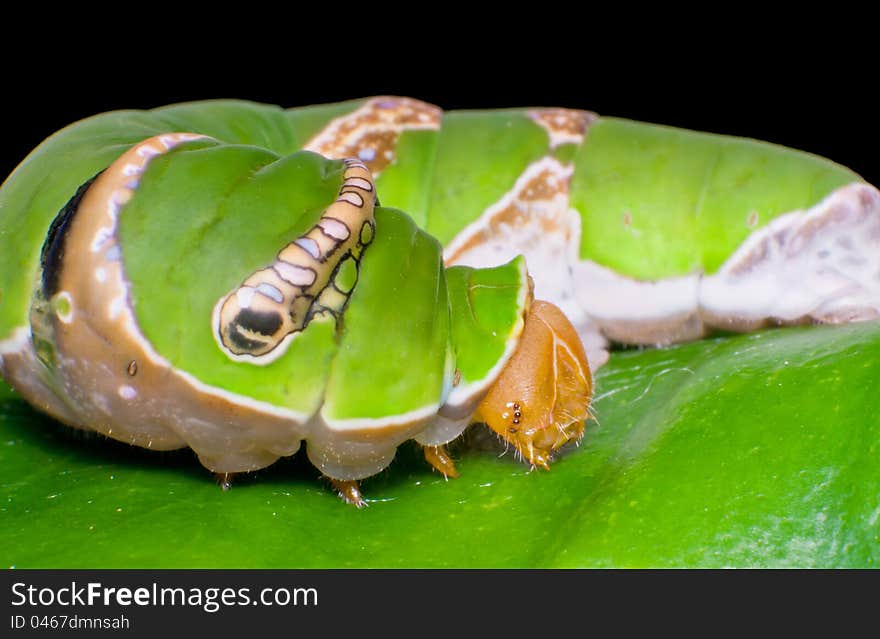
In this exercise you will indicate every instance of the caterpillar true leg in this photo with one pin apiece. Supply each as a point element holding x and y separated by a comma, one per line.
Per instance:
<point>349,490</point>
<point>224,480</point>
<point>440,459</point>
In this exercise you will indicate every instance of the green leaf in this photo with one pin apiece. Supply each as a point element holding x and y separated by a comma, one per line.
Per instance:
<point>756,450</point>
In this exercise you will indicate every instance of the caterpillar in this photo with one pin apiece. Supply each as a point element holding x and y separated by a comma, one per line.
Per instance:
<point>229,282</point>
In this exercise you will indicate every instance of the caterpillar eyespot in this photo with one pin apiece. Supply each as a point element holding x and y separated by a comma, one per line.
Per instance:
<point>252,322</point>
<point>314,316</point>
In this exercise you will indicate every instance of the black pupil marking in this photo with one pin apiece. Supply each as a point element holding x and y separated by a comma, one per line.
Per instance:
<point>52,254</point>
<point>243,342</point>
<point>256,332</point>
<point>259,322</point>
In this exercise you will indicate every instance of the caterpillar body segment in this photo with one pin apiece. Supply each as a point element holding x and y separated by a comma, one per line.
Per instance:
<point>633,229</point>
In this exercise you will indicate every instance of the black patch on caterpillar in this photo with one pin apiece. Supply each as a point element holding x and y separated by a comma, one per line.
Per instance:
<point>241,343</point>
<point>52,254</point>
<point>259,322</point>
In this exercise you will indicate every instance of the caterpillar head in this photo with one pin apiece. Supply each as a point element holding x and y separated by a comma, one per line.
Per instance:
<point>540,401</point>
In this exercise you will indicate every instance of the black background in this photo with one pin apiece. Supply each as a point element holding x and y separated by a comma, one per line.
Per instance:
<point>808,89</point>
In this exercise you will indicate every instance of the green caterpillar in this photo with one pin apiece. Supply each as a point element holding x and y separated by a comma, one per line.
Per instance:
<point>221,275</point>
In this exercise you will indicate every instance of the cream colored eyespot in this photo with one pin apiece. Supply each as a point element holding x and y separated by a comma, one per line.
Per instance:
<point>313,274</point>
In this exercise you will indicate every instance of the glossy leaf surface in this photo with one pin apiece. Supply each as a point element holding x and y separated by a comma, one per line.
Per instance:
<point>757,450</point>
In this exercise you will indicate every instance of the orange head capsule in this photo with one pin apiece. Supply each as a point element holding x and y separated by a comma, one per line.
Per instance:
<point>540,401</point>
